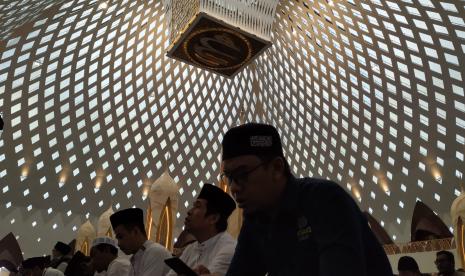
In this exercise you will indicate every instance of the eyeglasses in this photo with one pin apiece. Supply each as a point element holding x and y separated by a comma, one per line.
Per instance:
<point>437,261</point>
<point>241,177</point>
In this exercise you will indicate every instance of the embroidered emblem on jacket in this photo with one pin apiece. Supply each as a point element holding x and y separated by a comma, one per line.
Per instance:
<point>303,229</point>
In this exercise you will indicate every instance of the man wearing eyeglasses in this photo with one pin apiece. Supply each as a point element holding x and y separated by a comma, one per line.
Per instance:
<point>445,262</point>
<point>293,226</point>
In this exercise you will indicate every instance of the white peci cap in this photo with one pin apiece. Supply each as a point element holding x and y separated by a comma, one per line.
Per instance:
<point>106,240</point>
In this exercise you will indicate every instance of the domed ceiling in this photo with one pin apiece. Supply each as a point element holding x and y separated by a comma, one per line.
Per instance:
<point>367,93</point>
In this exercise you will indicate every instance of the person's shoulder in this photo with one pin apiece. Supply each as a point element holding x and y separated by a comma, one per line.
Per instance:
<point>53,272</point>
<point>122,261</point>
<point>316,186</point>
<point>189,249</point>
<point>118,265</point>
<point>227,238</point>
<point>313,194</point>
<point>156,248</point>
<point>312,182</point>
<point>227,241</point>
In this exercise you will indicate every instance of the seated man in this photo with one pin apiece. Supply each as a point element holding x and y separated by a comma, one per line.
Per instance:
<point>79,265</point>
<point>445,262</point>
<point>407,266</point>
<point>148,257</point>
<point>293,226</point>
<point>60,256</point>
<point>207,221</point>
<point>36,267</point>
<point>104,258</point>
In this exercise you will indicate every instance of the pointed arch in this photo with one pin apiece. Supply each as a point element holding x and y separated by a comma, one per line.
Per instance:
<point>378,230</point>
<point>149,222</point>
<point>85,248</point>
<point>461,241</point>
<point>109,233</point>
<point>165,226</point>
<point>426,225</point>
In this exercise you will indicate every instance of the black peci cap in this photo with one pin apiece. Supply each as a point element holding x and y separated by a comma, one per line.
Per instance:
<point>128,216</point>
<point>252,139</point>
<point>34,262</point>
<point>218,199</point>
<point>63,248</point>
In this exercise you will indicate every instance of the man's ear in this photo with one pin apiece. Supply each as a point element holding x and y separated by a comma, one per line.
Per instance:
<point>277,164</point>
<point>213,218</point>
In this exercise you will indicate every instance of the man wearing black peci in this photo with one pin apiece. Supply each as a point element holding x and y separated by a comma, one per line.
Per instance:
<point>293,226</point>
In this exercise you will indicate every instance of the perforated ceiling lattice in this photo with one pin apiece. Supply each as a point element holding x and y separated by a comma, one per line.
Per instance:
<point>368,93</point>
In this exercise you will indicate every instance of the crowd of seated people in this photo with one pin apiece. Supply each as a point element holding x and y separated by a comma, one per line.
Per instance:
<point>291,226</point>
<point>445,264</point>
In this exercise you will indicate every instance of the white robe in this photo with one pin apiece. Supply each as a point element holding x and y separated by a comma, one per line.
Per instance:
<point>215,254</point>
<point>149,260</point>
<point>118,267</point>
<point>62,267</point>
<point>52,272</point>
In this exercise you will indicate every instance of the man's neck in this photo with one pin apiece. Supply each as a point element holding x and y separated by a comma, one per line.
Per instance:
<point>203,236</point>
<point>274,209</point>
<point>140,242</point>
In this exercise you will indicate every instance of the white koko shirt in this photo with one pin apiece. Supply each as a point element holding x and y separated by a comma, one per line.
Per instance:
<point>149,260</point>
<point>52,272</point>
<point>215,254</point>
<point>118,267</point>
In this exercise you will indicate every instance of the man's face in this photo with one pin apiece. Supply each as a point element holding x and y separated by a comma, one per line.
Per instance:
<point>126,239</point>
<point>55,254</point>
<point>443,264</point>
<point>97,259</point>
<point>252,182</point>
<point>196,219</point>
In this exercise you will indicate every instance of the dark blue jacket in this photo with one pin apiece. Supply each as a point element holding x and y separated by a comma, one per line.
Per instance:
<point>320,231</point>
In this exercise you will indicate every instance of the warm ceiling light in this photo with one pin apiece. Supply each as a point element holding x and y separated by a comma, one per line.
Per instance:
<point>356,192</point>
<point>24,172</point>
<point>98,182</point>
<point>103,5</point>
<point>145,192</point>
<point>436,173</point>
<point>385,187</point>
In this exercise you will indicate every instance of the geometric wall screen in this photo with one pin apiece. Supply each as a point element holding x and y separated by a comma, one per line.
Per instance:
<point>367,93</point>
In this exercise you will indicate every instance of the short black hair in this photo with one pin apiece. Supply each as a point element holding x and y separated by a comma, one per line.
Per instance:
<point>222,223</point>
<point>107,247</point>
<point>407,263</point>
<point>269,157</point>
<point>448,254</point>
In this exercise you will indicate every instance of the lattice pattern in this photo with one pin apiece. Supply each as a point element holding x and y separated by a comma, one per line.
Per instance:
<point>17,15</point>
<point>368,93</point>
<point>97,113</point>
<point>371,95</point>
<point>255,16</point>
<point>179,14</point>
